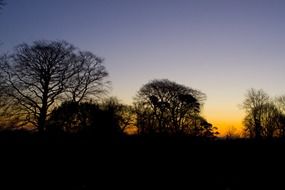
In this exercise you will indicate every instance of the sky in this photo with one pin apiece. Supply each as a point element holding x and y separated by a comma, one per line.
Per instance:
<point>220,47</point>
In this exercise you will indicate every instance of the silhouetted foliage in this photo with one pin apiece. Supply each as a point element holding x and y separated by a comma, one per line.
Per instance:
<point>48,72</point>
<point>86,118</point>
<point>123,115</point>
<point>165,107</point>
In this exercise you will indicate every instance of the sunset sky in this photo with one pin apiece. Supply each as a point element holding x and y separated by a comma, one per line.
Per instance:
<point>221,47</point>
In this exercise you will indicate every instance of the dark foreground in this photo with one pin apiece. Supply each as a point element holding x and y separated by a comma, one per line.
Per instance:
<point>73,162</point>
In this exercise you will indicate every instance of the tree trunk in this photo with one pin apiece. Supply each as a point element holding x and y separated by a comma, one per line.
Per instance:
<point>43,110</point>
<point>257,129</point>
<point>42,120</point>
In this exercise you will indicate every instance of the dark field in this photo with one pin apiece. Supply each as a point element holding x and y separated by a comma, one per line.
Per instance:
<point>84,162</point>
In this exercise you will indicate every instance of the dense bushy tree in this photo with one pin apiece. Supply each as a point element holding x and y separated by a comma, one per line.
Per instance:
<point>102,119</point>
<point>165,107</point>
<point>123,114</point>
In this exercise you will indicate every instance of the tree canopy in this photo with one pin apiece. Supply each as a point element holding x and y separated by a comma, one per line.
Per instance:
<point>165,107</point>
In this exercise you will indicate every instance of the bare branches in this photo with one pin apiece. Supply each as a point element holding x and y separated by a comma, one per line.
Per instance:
<point>38,75</point>
<point>264,117</point>
<point>88,78</point>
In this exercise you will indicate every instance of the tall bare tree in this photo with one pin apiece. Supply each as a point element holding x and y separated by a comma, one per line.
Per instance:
<point>254,103</point>
<point>264,117</point>
<point>39,75</point>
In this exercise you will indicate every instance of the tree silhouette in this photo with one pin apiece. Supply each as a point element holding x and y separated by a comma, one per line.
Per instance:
<point>10,112</point>
<point>263,118</point>
<point>42,74</point>
<point>165,107</point>
<point>89,78</point>
<point>280,104</point>
<point>101,120</point>
<point>123,115</point>
<point>37,74</point>
<point>2,78</point>
<point>232,133</point>
<point>73,117</point>
<point>253,105</point>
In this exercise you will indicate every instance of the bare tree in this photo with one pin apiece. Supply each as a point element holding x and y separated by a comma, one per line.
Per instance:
<point>2,78</point>
<point>89,79</point>
<point>39,75</point>
<point>280,104</point>
<point>6,111</point>
<point>253,105</point>
<point>232,133</point>
<point>263,118</point>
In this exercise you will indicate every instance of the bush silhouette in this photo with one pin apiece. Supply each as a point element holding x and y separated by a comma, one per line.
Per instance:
<point>83,118</point>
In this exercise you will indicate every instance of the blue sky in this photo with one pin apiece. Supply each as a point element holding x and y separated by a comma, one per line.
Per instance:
<point>221,47</point>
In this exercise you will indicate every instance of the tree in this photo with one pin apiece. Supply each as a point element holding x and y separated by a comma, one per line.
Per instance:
<point>74,117</point>
<point>253,105</point>
<point>40,75</point>
<point>89,78</point>
<point>165,107</point>
<point>123,115</point>
<point>104,119</point>
<point>232,133</point>
<point>2,78</point>
<point>9,109</point>
<point>262,116</point>
<point>280,104</point>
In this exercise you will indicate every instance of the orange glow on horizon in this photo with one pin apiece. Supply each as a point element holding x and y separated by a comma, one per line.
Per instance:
<point>225,117</point>
<point>226,123</point>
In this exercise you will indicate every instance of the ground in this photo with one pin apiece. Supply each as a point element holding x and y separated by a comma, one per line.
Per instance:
<point>132,163</point>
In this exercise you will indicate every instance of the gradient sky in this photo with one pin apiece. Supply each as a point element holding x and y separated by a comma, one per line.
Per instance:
<point>221,47</point>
